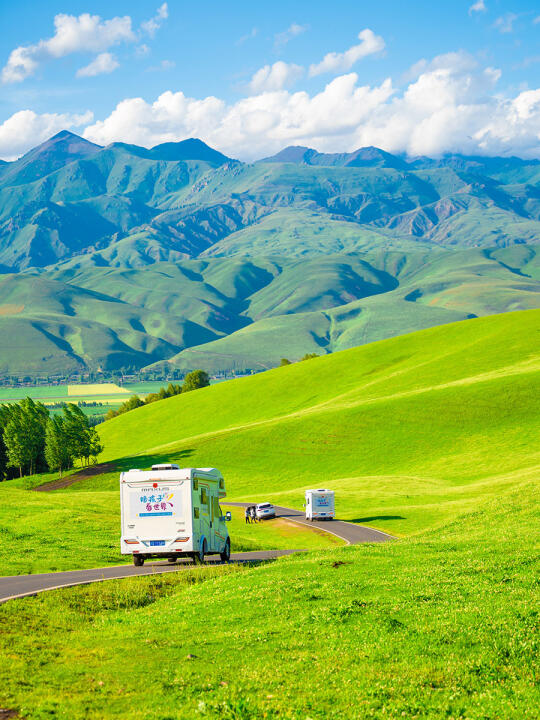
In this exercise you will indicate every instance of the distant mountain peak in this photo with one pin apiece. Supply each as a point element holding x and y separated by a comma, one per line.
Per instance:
<point>363,157</point>
<point>189,149</point>
<point>54,153</point>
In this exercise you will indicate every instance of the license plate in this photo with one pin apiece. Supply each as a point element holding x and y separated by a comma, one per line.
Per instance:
<point>156,543</point>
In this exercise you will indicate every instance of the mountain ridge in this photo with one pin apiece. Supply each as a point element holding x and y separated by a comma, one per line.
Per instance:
<point>250,262</point>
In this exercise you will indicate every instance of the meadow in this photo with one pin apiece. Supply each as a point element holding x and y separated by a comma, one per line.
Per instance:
<point>442,625</point>
<point>433,437</point>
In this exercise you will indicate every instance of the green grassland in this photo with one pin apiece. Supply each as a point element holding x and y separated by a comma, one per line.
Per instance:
<point>433,436</point>
<point>410,431</point>
<point>443,625</point>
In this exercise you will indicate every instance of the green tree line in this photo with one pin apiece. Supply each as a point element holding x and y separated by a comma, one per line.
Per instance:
<point>32,440</point>
<point>192,381</point>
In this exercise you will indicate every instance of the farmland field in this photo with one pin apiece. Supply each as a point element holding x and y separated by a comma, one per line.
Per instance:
<point>108,395</point>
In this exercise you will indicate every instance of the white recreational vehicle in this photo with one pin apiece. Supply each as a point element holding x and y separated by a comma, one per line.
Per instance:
<point>169,512</point>
<point>320,505</point>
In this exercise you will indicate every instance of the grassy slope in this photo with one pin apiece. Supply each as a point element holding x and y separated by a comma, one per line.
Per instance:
<point>440,626</point>
<point>431,288</point>
<point>410,431</point>
<point>226,312</point>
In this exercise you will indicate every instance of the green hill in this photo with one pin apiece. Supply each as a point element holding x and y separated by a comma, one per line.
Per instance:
<point>434,435</point>
<point>410,431</point>
<point>240,312</point>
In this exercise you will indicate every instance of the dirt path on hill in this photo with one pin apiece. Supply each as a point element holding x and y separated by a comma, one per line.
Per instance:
<point>65,482</point>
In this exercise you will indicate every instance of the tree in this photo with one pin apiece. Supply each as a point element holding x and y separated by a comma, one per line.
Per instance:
<point>284,361</point>
<point>194,380</point>
<point>57,451</point>
<point>95,445</point>
<point>24,434</point>
<point>309,356</point>
<point>78,432</point>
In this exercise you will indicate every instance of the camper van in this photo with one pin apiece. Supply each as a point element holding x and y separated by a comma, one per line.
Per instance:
<point>171,512</point>
<point>320,505</point>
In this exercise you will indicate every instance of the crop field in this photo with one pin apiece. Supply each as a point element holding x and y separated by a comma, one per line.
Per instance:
<point>107,395</point>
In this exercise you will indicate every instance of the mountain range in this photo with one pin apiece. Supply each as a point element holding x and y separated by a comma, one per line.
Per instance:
<point>177,255</point>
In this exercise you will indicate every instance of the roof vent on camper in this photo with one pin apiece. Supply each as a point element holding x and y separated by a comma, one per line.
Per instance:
<point>166,466</point>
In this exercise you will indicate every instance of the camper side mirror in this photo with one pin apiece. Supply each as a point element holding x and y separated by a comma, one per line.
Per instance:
<point>228,516</point>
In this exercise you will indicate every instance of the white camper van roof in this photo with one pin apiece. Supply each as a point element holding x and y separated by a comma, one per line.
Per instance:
<point>319,490</point>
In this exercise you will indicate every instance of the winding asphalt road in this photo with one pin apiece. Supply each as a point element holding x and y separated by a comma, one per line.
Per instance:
<point>17,586</point>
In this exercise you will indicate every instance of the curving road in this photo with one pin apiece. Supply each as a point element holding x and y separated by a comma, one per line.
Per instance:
<point>351,533</point>
<point>17,586</point>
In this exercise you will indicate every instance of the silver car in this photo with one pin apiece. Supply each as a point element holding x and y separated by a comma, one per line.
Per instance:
<point>264,511</point>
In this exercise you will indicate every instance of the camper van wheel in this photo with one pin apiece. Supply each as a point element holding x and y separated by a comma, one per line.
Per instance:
<point>138,560</point>
<point>199,557</point>
<point>226,554</point>
<point>171,559</point>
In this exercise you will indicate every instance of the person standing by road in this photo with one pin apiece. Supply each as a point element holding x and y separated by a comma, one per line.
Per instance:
<point>247,515</point>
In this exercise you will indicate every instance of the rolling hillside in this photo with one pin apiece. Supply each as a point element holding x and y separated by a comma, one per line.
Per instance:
<point>238,313</point>
<point>410,431</point>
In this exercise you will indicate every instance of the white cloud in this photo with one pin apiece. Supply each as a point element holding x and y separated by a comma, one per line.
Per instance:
<point>536,20</point>
<point>292,31</point>
<point>102,64</point>
<point>452,105</point>
<point>275,77</point>
<point>142,50</point>
<point>150,27</point>
<point>25,129</point>
<point>478,6</point>
<point>336,62</point>
<point>505,23</point>
<point>85,33</point>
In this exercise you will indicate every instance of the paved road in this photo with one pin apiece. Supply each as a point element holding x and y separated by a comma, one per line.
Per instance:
<point>350,532</point>
<point>23,585</point>
<point>16,586</point>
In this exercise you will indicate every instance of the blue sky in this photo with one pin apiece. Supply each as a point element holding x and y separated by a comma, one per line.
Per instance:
<point>250,78</point>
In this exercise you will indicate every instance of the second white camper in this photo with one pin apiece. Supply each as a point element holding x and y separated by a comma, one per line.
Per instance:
<point>320,504</point>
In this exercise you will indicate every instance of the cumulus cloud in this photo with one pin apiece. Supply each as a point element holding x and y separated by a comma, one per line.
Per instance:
<point>292,31</point>
<point>336,62</point>
<point>150,27</point>
<point>478,6</point>
<point>452,105</point>
<point>26,129</point>
<point>85,33</point>
<point>102,64</point>
<point>275,77</point>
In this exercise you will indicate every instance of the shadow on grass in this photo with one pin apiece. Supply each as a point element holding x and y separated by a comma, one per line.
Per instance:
<point>145,462</point>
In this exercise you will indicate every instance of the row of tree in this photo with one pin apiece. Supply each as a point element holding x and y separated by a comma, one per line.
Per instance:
<point>192,381</point>
<point>32,440</point>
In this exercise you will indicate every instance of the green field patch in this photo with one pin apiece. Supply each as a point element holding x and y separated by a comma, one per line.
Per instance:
<point>440,626</point>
